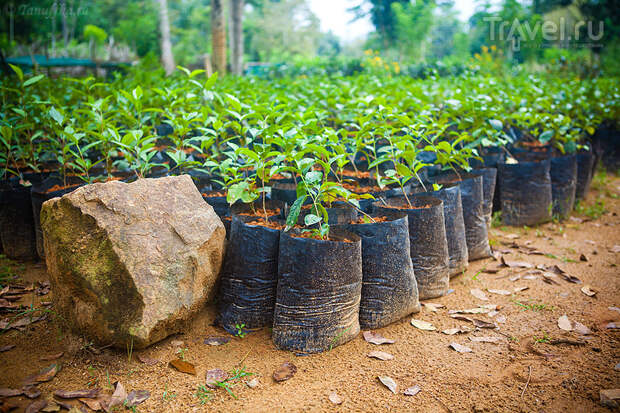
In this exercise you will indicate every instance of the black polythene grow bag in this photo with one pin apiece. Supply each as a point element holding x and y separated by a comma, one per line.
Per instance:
<point>39,195</point>
<point>16,220</point>
<point>319,290</point>
<point>489,180</point>
<point>525,192</point>
<point>584,174</point>
<point>563,184</point>
<point>249,279</point>
<point>284,191</point>
<point>340,213</point>
<point>389,288</point>
<point>455,227</point>
<point>427,242</point>
<point>472,199</point>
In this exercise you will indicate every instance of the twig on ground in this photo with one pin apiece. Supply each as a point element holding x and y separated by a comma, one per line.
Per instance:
<point>529,376</point>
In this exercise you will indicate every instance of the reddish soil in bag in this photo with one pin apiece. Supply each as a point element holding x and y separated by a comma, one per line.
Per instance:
<point>214,194</point>
<point>60,188</point>
<point>258,212</point>
<point>273,224</point>
<point>534,366</point>
<point>311,235</point>
<point>406,206</point>
<point>362,189</point>
<point>365,220</point>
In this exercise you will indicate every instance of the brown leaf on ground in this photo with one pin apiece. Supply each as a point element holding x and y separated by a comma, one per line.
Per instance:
<point>434,307</point>
<point>389,383</point>
<point>453,331</point>
<point>460,348</point>
<point>11,392</point>
<point>334,398</point>
<point>215,375</point>
<point>479,294</point>
<point>499,292</point>
<point>7,348</point>
<point>147,360</point>
<point>135,397</point>
<point>519,289</point>
<point>52,356</point>
<point>46,374</point>
<point>52,406</point>
<point>76,394</point>
<point>483,324</point>
<point>489,339</point>
<point>422,325</point>
<point>610,397</point>
<point>381,355</point>
<point>376,338</point>
<point>183,366</point>
<point>252,384</point>
<point>36,406</point>
<point>93,404</point>
<point>587,290</point>
<point>412,391</point>
<point>31,392</point>
<point>118,398</point>
<point>581,329</point>
<point>22,322</point>
<point>216,340</point>
<point>516,264</point>
<point>284,372</point>
<point>567,277</point>
<point>564,323</point>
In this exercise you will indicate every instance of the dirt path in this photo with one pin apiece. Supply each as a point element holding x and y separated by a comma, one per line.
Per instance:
<point>523,371</point>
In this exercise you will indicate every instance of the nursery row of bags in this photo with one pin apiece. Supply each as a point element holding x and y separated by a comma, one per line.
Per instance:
<point>530,187</point>
<point>373,269</point>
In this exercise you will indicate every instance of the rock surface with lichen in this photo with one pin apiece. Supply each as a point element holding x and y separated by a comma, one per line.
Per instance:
<point>131,263</point>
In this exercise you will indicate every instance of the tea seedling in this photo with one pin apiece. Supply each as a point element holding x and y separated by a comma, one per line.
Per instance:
<point>543,339</point>
<point>230,382</point>
<point>241,333</point>
<point>533,306</point>
<point>181,352</point>
<point>168,396</point>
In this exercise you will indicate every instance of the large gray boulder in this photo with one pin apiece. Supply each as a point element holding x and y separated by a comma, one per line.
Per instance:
<point>130,264</point>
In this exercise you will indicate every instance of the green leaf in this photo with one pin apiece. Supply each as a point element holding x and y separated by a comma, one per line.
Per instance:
<point>311,219</point>
<point>546,136</point>
<point>313,177</point>
<point>18,71</point>
<point>403,170</point>
<point>57,116</point>
<point>33,80</point>
<point>496,124</point>
<point>293,214</point>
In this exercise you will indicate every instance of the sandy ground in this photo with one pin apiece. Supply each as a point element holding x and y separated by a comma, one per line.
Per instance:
<point>523,371</point>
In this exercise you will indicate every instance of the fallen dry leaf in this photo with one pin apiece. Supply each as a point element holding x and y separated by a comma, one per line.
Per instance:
<point>516,264</point>
<point>612,326</point>
<point>567,277</point>
<point>52,356</point>
<point>31,392</point>
<point>519,289</point>
<point>284,372</point>
<point>376,338</point>
<point>75,394</point>
<point>389,383</point>
<point>93,404</point>
<point>183,366</point>
<point>488,339</point>
<point>479,294</point>
<point>118,398</point>
<point>615,249</point>
<point>135,397</point>
<point>609,397</point>
<point>381,355</point>
<point>422,325</point>
<point>252,384</point>
<point>147,360</point>
<point>434,307</point>
<point>36,406</point>
<point>216,340</point>
<point>11,392</point>
<point>334,398</point>
<point>483,324</point>
<point>46,374</point>
<point>587,290</point>
<point>581,329</point>
<point>614,309</point>
<point>499,292</point>
<point>412,391</point>
<point>460,348</point>
<point>215,375</point>
<point>51,406</point>
<point>7,348</point>
<point>453,331</point>
<point>564,323</point>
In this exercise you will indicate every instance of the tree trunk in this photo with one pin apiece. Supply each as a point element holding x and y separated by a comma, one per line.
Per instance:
<point>218,32</point>
<point>166,46</point>
<point>65,25</point>
<point>237,47</point>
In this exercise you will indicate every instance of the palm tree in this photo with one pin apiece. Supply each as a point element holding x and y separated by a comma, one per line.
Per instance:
<point>166,46</point>
<point>218,32</point>
<point>237,36</point>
